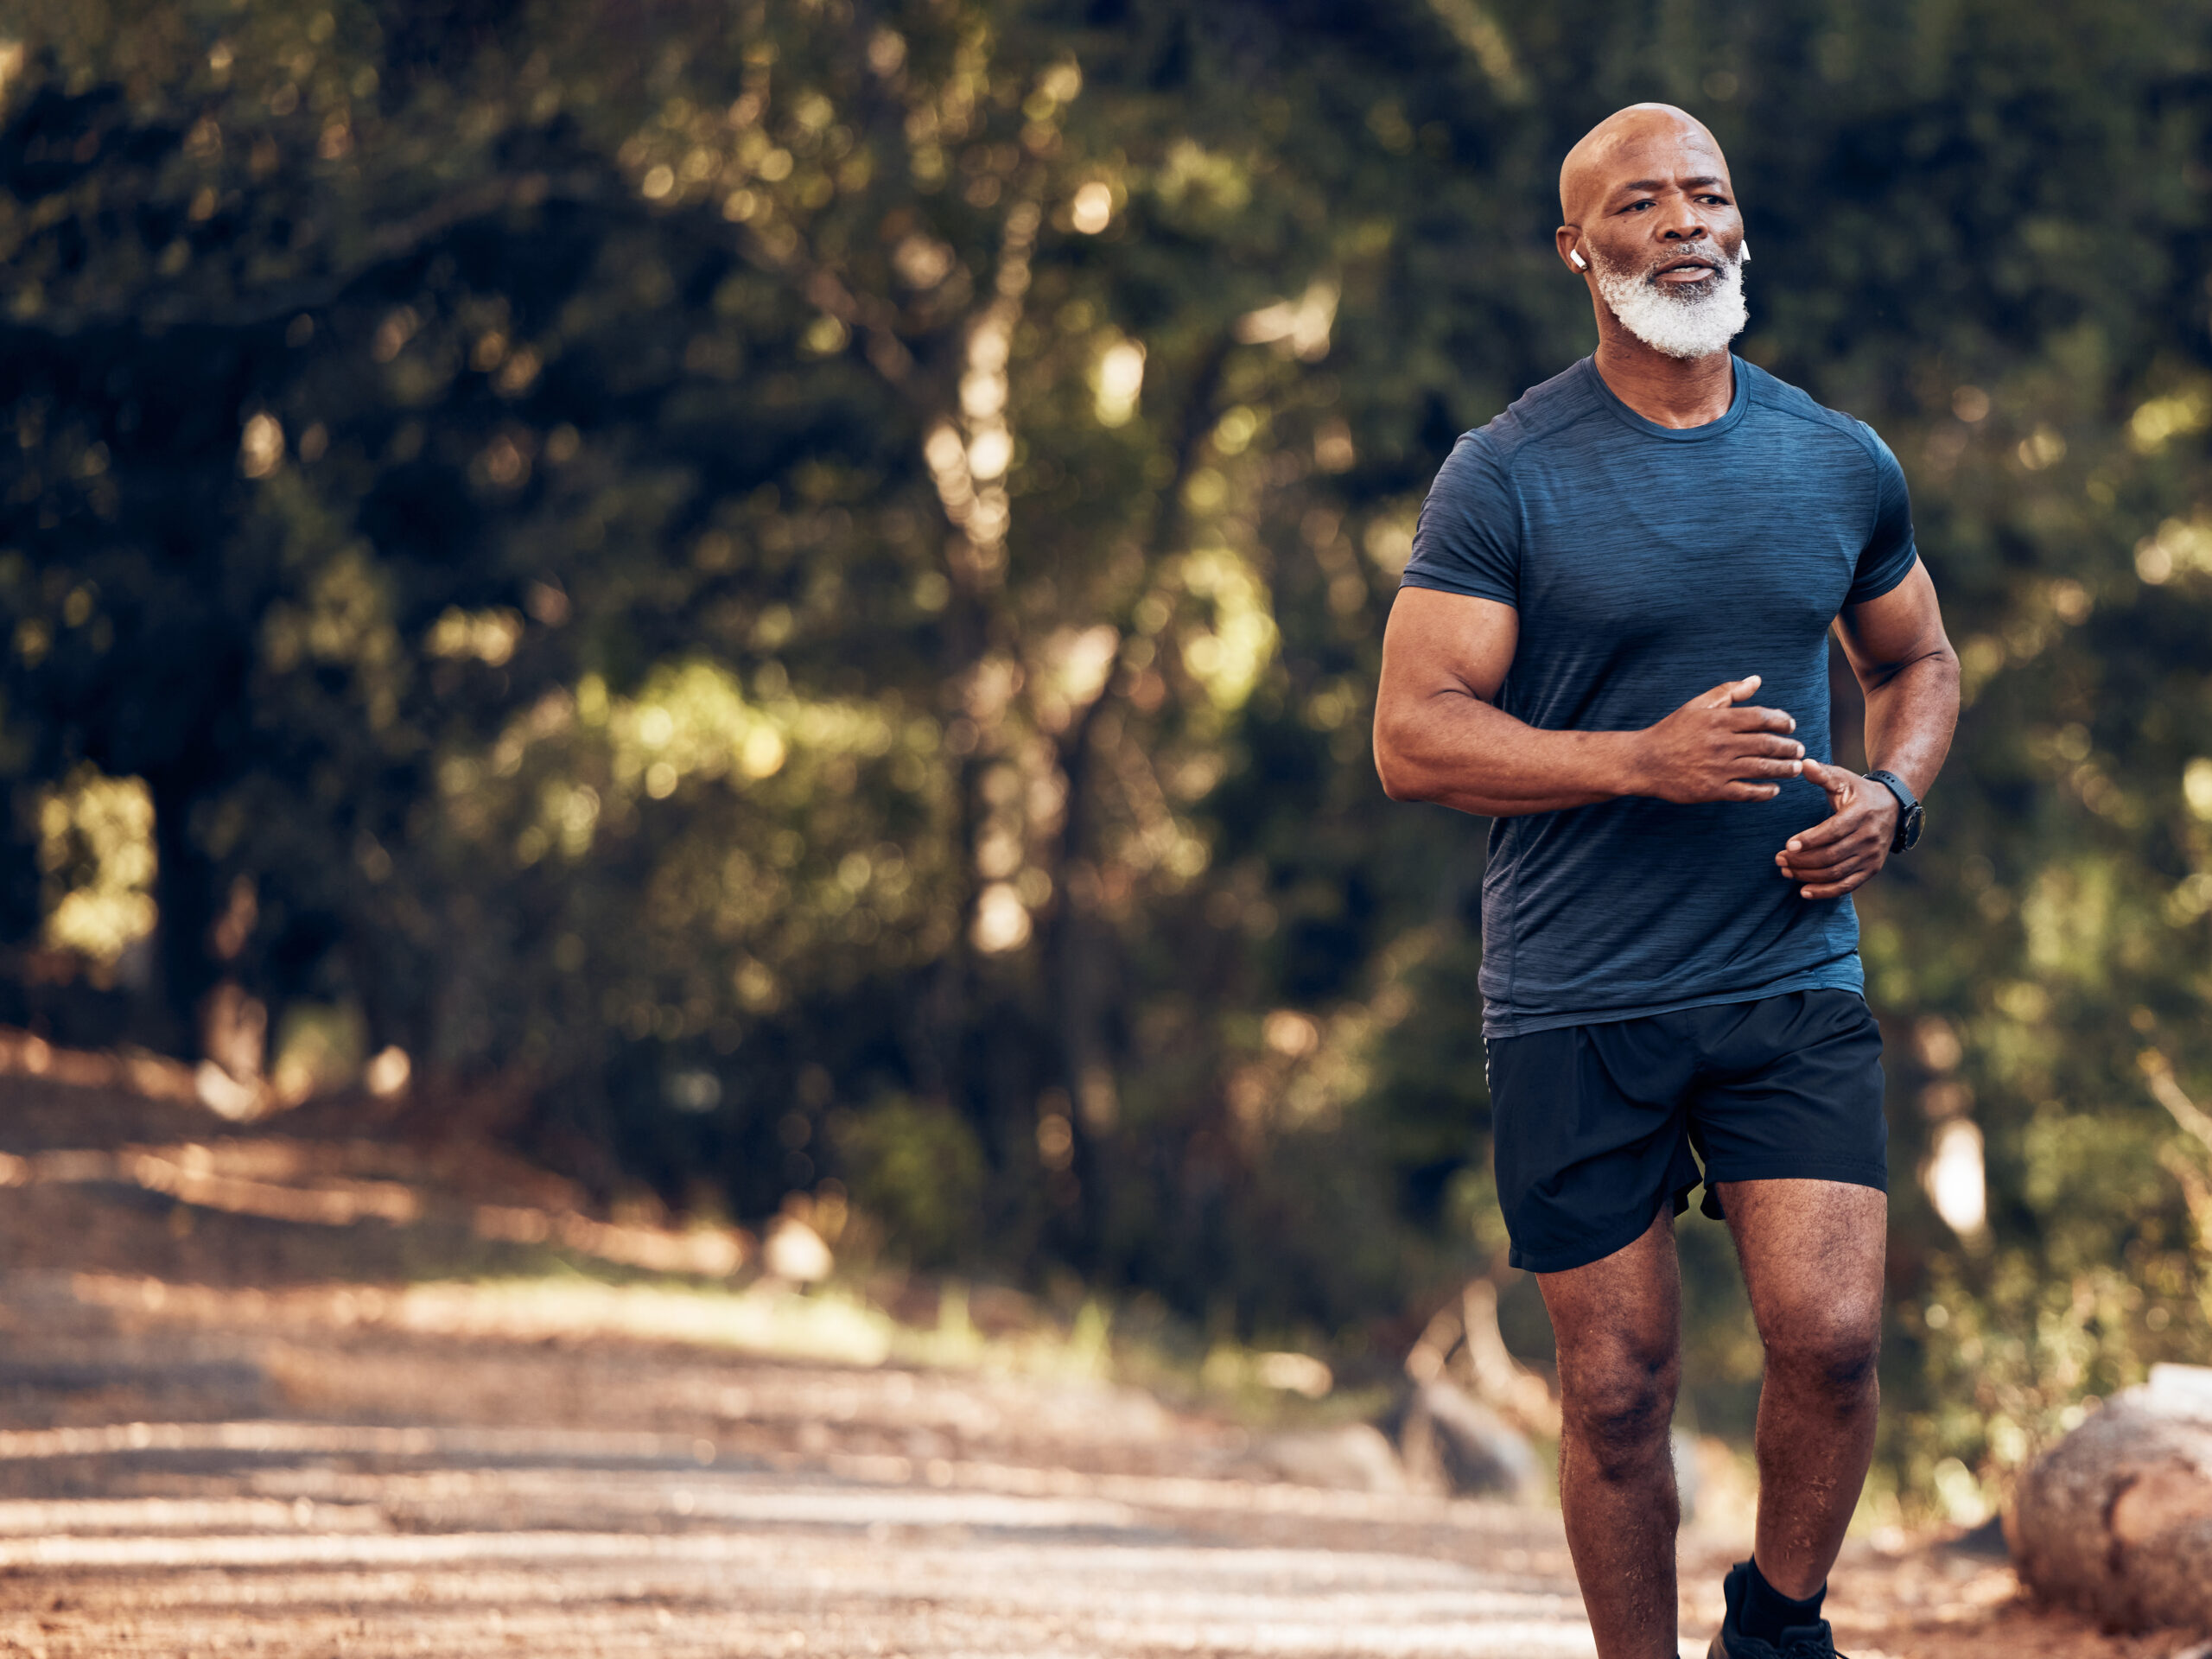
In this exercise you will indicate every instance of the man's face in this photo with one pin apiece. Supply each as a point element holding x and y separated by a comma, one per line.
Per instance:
<point>1659,225</point>
<point>1657,207</point>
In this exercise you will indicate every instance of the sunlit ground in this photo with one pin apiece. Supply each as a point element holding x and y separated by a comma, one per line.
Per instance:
<point>469,1469</point>
<point>305,1389</point>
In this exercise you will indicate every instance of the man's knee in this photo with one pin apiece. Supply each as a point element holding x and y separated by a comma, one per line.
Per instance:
<point>1619,1406</point>
<point>1831,1353</point>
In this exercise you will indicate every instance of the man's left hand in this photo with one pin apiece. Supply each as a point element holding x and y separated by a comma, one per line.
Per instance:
<point>1844,849</point>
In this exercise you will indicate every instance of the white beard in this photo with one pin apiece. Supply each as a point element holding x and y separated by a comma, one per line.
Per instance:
<point>1681,325</point>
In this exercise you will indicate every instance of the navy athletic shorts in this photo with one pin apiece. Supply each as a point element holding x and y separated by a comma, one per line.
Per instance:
<point>1594,1125</point>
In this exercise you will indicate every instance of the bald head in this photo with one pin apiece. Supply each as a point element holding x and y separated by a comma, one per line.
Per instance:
<point>1643,141</point>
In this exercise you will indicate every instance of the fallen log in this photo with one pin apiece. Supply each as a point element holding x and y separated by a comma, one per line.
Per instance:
<point>2115,1521</point>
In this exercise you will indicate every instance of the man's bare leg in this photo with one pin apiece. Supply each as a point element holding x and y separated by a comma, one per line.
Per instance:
<point>1812,1253</point>
<point>1618,1322</point>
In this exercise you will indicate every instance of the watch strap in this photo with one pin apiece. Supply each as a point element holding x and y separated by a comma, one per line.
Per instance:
<point>1909,813</point>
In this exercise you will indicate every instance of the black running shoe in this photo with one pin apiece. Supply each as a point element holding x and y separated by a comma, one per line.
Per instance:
<point>1814,1641</point>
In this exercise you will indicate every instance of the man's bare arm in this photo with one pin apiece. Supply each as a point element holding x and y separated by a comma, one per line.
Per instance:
<point>1897,647</point>
<point>1439,735</point>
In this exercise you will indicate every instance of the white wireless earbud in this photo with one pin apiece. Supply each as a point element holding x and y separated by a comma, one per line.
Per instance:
<point>1578,261</point>
<point>1743,253</point>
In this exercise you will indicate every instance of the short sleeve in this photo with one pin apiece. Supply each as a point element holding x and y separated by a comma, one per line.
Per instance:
<point>1468,540</point>
<point>1889,555</point>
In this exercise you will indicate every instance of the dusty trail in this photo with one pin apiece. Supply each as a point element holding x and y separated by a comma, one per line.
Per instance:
<point>315,1486</point>
<point>234,1419</point>
<point>225,1471</point>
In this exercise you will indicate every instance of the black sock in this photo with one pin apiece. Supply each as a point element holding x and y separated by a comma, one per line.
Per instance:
<point>1766,1612</point>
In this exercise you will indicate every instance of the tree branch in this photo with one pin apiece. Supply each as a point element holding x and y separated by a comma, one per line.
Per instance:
<point>2159,1072</point>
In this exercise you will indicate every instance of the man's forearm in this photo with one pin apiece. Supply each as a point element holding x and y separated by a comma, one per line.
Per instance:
<point>1910,718</point>
<point>1466,753</point>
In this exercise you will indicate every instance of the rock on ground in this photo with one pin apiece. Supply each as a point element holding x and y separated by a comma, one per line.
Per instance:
<point>1454,1443</point>
<point>2116,1519</point>
<point>1349,1457</point>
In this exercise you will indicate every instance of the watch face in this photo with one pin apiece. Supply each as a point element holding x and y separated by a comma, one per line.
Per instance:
<point>1911,827</point>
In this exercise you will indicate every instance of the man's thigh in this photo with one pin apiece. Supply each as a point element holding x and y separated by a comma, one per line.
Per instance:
<point>1812,1253</point>
<point>1618,1322</point>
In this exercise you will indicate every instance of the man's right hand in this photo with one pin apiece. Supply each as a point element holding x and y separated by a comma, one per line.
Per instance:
<point>1715,748</point>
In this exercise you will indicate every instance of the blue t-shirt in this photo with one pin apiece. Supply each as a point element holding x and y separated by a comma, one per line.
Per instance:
<point>1649,564</point>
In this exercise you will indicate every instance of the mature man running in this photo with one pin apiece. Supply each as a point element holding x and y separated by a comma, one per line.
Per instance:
<point>1612,641</point>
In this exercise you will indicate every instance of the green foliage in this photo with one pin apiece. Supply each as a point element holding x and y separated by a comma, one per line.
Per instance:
<point>918,1169</point>
<point>801,584</point>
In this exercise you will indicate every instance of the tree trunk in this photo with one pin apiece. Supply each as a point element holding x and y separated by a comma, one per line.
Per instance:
<point>184,896</point>
<point>2116,1519</point>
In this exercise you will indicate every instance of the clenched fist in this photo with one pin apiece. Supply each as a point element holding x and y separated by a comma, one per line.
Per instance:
<point>1713,748</point>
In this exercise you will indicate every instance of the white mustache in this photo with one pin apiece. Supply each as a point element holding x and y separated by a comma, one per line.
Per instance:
<point>1711,255</point>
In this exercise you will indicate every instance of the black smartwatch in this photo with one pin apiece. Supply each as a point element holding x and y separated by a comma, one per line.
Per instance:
<point>1909,818</point>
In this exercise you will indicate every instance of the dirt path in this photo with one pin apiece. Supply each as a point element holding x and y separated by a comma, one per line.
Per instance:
<point>232,1418</point>
<point>227,1470</point>
<point>269,1473</point>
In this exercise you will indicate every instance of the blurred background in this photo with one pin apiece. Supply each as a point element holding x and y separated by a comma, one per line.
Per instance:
<point>776,603</point>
